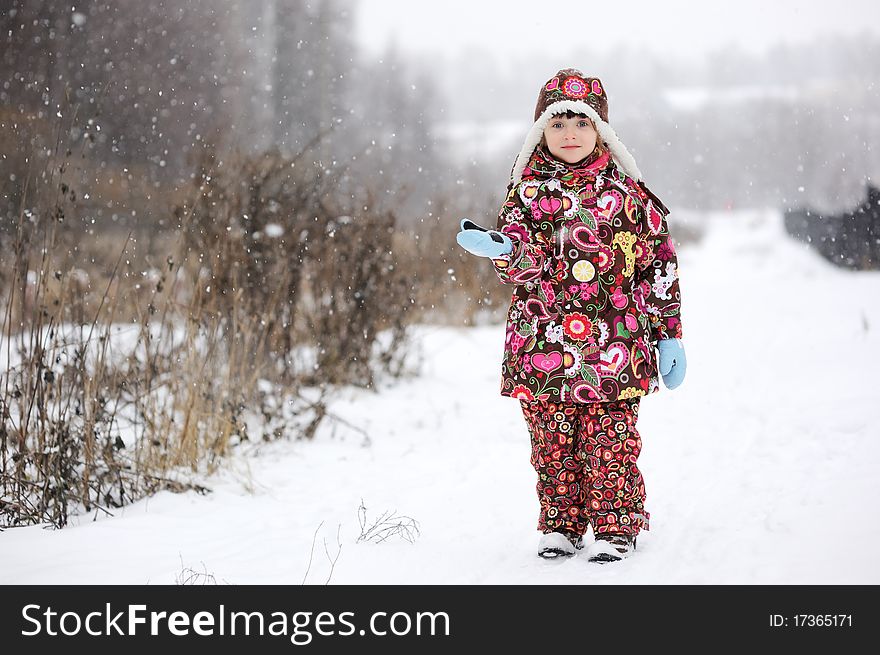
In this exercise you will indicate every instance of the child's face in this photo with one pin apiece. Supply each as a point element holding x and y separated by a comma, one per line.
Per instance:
<point>570,139</point>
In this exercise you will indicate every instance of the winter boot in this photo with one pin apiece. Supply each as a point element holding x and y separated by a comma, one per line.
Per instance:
<point>611,547</point>
<point>559,544</point>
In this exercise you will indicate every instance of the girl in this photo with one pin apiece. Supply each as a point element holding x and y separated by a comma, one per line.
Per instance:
<point>586,247</point>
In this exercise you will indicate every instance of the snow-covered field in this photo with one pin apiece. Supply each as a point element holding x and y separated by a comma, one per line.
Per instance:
<point>761,468</point>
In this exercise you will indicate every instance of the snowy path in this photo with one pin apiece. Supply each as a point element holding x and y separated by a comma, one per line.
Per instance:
<point>761,468</point>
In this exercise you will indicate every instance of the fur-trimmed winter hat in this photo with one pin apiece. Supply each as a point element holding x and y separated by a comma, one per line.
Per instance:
<point>571,90</point>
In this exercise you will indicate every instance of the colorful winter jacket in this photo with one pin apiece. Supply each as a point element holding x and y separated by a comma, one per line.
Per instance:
<point>595,280</point>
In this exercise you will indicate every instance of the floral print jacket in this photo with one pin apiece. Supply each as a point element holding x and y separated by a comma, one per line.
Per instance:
<point>595,278</point>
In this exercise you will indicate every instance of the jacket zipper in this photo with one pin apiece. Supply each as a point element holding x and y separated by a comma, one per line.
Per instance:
<point>562,232</point>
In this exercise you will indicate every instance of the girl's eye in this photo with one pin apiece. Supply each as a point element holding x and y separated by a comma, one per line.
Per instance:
<point>557,125</point>
<point>583,124</point>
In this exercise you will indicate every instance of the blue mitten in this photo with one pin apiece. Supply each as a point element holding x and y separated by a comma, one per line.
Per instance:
<point>673,362</point>
<point>479,241</point>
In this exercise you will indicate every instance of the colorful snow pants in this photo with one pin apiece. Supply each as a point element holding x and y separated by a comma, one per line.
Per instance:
<point>585,456</point>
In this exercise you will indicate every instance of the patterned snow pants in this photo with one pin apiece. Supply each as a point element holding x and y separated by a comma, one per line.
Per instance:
<point>585,456</point>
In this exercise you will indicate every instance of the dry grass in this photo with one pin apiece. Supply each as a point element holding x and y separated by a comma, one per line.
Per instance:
<point>126,365</point>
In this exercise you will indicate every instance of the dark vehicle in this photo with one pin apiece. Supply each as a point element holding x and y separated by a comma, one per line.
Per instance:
<point>849,240</point>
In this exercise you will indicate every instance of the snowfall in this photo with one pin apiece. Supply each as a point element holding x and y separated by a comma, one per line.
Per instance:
<point>761,468</point>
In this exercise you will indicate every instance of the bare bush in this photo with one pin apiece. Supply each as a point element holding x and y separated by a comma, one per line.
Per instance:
<point>386,526</point>
<point>453,286</point>
<point>117,380</point>
<point>187,576</point>
<point>332,559</point>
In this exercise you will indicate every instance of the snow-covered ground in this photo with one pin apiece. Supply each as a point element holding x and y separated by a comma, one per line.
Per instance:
<point>761,468</point>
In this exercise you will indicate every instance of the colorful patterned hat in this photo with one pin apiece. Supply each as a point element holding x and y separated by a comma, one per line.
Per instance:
<point>571,90</point>
<point>571,84</point>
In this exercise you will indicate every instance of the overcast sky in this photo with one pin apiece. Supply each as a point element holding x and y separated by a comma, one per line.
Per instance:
<point>674,26</point>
